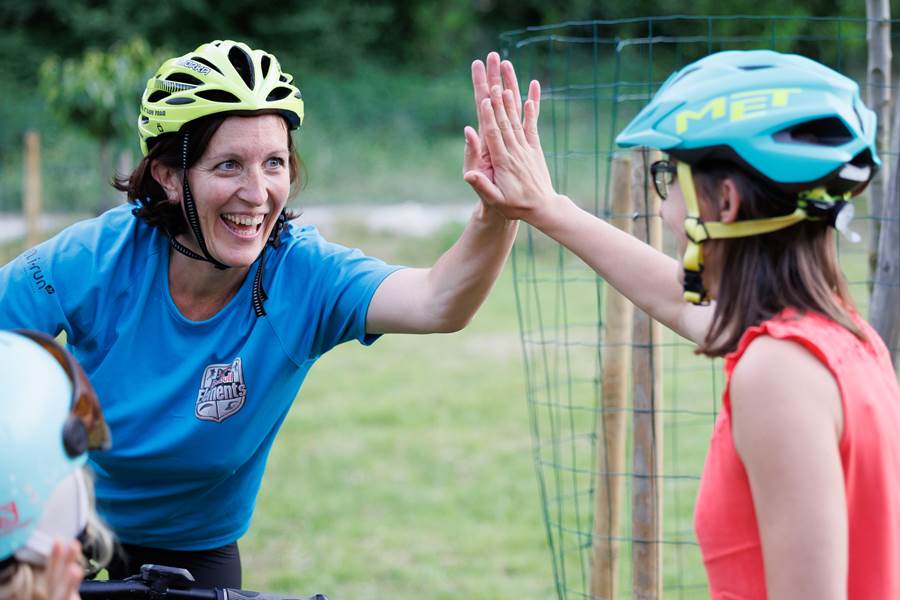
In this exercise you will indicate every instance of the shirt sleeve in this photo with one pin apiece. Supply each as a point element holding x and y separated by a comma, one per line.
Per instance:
<point>50,288</point>
<point>330,288</point>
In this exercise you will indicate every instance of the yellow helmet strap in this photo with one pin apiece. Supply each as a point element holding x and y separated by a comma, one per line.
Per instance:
<point>815,204</point>
<point>694,228</point>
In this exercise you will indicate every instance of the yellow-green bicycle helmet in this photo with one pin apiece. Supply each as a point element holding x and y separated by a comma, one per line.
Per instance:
<point>219,77</point>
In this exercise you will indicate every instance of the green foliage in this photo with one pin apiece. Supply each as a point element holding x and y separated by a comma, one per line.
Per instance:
<point>99,92</point>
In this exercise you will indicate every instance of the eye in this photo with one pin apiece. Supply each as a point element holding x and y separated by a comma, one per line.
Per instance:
<point>275,162</point>
<point>227,165</point>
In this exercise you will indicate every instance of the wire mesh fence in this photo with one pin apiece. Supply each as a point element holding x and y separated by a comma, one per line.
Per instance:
<point>590,386</point>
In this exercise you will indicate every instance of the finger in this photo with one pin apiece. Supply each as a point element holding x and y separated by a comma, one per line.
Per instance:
<point>55,559</point>
<point>74,577</point>
<point>530,127</point>
<point>504,121</point>
<point>511,82</point>
<point>493,70</point>
<point>72,572</point>
<point>515,121</point>
<point>56,572</point>
<point>492,137</point>
<point>483,186</point>
<point>534,94</point>
<point>473,149</point>
<point>480,86</point>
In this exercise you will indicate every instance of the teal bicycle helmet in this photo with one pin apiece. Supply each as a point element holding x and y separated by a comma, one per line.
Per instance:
<point>50,420</point>
<point>788,120</point>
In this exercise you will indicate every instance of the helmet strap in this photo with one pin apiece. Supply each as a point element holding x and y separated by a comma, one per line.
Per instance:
<point>259,295</point>
<point>694,228</point>
<point>190,209</point>
<point>813,205</point>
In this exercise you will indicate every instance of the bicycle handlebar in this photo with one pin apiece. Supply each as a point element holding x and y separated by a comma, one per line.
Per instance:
<point>164,583</point>
<point>120,590</point>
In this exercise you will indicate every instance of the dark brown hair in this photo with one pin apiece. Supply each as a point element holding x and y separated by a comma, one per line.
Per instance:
<point>762,275</point>
<point>152,205</point>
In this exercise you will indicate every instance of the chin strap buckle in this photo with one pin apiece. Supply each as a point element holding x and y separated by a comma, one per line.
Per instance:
<point>693,287</point>
<point>836,211</point>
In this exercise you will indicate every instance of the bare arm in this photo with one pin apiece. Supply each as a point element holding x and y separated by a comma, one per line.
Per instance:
<point>787,423</point>
<point>522,190</point>
<point>445,297</point>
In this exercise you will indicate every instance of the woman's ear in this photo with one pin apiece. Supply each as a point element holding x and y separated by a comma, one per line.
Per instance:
<point>169,180</point>
<point>729,201</point>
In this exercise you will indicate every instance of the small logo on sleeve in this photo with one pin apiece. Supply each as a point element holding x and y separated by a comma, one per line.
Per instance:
<point>222,392</point>
<point>33,266</point>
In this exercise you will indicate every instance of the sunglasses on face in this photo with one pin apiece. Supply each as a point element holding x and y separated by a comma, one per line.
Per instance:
<point>85,429</point>
<point>663,172</point>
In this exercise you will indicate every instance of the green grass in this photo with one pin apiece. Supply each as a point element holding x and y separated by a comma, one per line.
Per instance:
<point>406,470</point>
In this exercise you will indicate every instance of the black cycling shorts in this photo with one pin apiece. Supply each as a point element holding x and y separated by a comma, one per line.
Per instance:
<point>216,568</point>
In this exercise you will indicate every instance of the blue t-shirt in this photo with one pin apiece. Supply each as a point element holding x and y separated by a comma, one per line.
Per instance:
<point>193,406</point>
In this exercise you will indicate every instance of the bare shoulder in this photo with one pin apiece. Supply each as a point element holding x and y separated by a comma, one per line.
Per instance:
<point>779,388</point>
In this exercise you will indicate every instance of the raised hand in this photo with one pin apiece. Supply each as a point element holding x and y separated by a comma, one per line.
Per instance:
<point>64,571</point>
<point>521,187</point>
<point>493,73</point>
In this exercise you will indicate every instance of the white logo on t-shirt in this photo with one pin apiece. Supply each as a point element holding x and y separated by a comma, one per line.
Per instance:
<point>222,392</point>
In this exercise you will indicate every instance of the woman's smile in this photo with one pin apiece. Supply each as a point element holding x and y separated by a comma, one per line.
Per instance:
<point>246,226</point>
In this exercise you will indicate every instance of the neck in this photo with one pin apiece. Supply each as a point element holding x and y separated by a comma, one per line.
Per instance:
<point>198,288</point>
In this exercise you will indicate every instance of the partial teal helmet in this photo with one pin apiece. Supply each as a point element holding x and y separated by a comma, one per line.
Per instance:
<point>792,121</point>
<point>49,420</point>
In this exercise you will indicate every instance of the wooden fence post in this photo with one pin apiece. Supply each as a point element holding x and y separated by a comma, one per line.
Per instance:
<point>611,448</point>
<point>32,188</point>
<point>646,518</point>
<point>884,306</point>
<point>878,76</point>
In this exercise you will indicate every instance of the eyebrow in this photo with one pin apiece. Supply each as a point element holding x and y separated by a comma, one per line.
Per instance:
<point>240,153</point>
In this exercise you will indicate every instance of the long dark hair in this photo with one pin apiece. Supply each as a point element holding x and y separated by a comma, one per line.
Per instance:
<point>796,267</point>
<point>152,205</point>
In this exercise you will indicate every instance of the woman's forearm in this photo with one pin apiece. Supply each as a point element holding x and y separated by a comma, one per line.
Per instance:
<point>643,274</point>
<point>462,277</point>
<point>445,297</point>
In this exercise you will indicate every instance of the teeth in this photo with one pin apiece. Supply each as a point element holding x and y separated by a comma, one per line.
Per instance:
<point>244,220</point>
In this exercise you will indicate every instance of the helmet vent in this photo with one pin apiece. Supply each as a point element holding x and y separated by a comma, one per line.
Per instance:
<point>184,78</point>
<point>829,131</point>
<point>264,63</point>
<point>858,118</point>
<point>218,96</point>
<point>241,62</point>
<point>203,61</point>
<point>279,93</point>
<point>283,78</point>
<point>685,74</point>
<point>157,96</point>
<point>179,100</point>
<point>754,67</point>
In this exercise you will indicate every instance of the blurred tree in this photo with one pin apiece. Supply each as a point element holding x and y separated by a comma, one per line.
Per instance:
<point>99,94</point>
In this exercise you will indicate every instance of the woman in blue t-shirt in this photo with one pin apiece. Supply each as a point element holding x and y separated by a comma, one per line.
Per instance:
<point>198,309</point>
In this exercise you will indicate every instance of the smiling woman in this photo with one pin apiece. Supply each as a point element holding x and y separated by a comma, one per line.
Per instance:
<point>198,309</point>
<point>239,185</point>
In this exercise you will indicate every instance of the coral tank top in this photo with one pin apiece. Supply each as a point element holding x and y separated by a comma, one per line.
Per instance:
<point>724,517</point>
